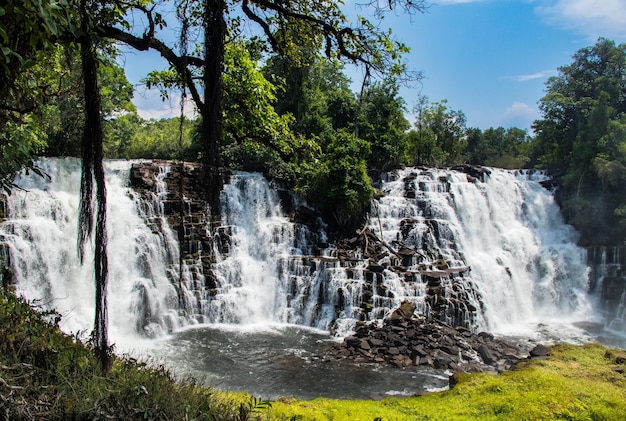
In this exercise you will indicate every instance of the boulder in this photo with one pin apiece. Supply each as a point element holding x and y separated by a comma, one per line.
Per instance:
<point>540,351</point>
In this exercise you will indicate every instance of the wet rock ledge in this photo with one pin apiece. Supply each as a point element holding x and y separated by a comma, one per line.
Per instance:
<point>405,340</point>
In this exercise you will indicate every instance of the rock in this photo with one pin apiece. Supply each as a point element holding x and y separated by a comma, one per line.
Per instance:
<point>443,361</point>
<point>450,350</point>
<point>419,351</point>
<point>485,336</point>
<point>475,171</point>
<point>406,340</point>
<point>402,361</point>
<point>352,341</point>
<point>486,354</point>
<point>402,313</point>
<point>393,350</point>
<point>364,344</point>
<point>453,380</point>
<point>540,351</point>
<point>375,268</point>
<point>375,342</point>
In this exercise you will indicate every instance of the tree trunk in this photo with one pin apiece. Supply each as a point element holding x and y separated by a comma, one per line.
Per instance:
<point>214,39</point>
<point>93,169</point>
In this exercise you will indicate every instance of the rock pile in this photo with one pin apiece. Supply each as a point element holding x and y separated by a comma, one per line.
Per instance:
<point>405,340</point>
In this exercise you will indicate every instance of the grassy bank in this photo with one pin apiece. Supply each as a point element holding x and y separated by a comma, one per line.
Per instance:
<point>46,375</point>
<point>575,383</point>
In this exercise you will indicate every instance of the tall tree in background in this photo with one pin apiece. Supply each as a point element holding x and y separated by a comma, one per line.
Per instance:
<point>499,147</point>
<point>382,123</point>
<point>439,138</point>
<point>581,134</point>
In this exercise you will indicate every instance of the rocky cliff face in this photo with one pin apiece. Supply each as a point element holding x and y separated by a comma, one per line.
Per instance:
<point>608,281</point>
<point>187,212</point>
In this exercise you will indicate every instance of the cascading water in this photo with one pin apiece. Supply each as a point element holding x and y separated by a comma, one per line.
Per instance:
<point>608,281</point>
<point>41,234</point>
<point>524,265</point>
<point>260,258</point>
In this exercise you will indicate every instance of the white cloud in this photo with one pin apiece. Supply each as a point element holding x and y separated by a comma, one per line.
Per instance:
<point>150,105</point>
<point>538,75</point>
<point>592,18</point>
<point>519,114</point>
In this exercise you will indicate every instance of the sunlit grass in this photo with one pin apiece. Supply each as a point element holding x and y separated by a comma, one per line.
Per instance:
<point>576,383</point>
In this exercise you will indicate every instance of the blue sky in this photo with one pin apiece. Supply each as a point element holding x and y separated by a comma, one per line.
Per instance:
<point>487,58</point>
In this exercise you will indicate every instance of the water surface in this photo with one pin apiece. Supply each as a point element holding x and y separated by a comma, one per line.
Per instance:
<point>285,361</point>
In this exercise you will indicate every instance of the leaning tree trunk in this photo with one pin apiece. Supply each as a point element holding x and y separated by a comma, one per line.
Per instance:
<point>214,39</point>
<point>93,169</point>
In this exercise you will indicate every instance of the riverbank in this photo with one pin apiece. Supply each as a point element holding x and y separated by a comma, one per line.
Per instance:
<point>45,374</point>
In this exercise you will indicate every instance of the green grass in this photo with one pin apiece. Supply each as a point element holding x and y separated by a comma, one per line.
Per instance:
<point>46,375</point>
<point>576,383</point>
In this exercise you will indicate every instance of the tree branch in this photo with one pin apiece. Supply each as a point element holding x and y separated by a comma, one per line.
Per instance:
<point>148,41</point>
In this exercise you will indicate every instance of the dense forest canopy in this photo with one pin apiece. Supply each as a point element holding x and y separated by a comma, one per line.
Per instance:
<point>290,112</point>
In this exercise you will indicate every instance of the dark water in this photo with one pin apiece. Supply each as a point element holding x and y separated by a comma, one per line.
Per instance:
<point>286,361</point>
<point>294,361</point>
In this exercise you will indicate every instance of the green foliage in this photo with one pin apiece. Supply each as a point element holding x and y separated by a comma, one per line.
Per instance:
<point>383,125</point>
<point>316,93</point>
<point>28,27</point>
<point>503,148</point>
<point>337,182</point>
<point>21,139</point>
<point>249,115</point>
<point>64,104</point>
<point>582,134</point>
<point>29,30</point>
<point>45,374</point>
<point>137,138</point>
<point>440,135</point>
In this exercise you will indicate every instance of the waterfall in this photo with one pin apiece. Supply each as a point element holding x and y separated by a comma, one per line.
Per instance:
<point>41,233</point>
<point>524,265</point>
<point>488,254</point>
<point>253,273</point>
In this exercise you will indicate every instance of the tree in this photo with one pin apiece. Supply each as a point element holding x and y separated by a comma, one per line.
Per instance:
<point>499,147</point>
<point>31,34</point>
<point>440,135</point>
<point>29,31</point>
<point>363,43</point>
<point>64,114</point>
<point>337,182</point>
<point>93,172</point>
<point>383,125</point>
<point>315,92</point>
<point>581,135</point>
